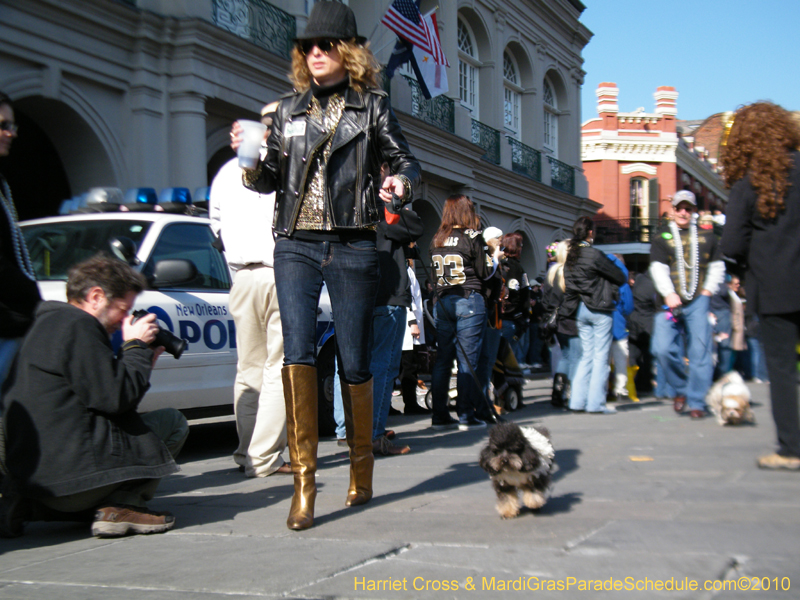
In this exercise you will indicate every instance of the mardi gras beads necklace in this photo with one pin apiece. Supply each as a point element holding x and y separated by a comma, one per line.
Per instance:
<point>694,262</point>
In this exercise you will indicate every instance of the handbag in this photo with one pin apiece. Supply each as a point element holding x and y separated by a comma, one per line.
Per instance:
<point>549,324</point>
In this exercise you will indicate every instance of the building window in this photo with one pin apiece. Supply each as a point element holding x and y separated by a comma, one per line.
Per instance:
<point>638,199</point>
<point>550,120</point>
<point>511,96</point>
<point>467,69</point>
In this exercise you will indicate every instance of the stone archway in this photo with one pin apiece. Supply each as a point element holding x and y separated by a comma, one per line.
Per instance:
<point>34,170</point>
<point>57,155</point>
<point>531,257</point>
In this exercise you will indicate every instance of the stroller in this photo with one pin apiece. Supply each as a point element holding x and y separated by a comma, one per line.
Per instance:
<point>505,388</point>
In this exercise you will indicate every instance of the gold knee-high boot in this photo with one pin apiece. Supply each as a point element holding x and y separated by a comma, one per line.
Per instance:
<point>300,394</point>
<point>357,403</point>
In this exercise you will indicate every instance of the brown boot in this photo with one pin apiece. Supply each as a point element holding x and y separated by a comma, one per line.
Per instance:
<point>357,402</point>
<point>300,394</point>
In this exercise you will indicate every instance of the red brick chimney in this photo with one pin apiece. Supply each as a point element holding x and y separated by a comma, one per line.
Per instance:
<point>607,107</point>
<point>667,106</point>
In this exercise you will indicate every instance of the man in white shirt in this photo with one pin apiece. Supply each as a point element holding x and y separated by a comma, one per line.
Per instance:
<point>242,219</point>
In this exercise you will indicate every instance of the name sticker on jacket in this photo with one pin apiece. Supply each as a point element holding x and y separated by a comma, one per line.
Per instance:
<point>294,129</point>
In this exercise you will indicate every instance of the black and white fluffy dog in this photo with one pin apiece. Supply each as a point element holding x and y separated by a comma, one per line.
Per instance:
<point>518,458</point>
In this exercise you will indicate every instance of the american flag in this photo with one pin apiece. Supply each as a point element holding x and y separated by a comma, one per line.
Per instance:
<point>404,18</point>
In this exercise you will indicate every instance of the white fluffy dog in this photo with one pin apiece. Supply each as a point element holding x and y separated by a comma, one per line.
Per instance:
<point>729,400</point>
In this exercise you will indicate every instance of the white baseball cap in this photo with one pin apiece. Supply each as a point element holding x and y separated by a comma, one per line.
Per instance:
<point>684,196</point>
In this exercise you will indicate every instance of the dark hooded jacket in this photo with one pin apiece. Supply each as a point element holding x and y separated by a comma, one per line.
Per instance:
<point>394,288</point>
<point>70,417</point>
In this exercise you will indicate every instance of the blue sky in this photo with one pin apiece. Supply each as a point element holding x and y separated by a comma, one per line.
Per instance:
<point>718,54</point>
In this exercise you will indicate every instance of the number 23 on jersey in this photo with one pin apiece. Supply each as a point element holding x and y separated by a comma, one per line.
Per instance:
<point>449,269</point>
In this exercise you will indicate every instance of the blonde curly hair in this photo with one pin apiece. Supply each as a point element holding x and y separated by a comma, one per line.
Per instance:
<point>761,139</point>
<point>358,60</point>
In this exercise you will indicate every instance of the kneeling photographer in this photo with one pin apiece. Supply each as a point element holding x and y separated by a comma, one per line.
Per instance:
<point>75,446</point>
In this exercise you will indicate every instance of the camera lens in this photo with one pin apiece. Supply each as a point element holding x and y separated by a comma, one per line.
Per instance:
<point>171,342</point>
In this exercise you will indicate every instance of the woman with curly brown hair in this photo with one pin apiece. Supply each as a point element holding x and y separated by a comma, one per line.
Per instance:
<point>762,167</point>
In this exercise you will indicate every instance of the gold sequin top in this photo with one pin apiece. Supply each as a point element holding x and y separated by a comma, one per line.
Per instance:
<point>312,206</point>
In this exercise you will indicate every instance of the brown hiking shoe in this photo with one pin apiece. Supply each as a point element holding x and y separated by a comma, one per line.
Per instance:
<point>776,461</point>
<point>382,445</point>
<point>115,521</point>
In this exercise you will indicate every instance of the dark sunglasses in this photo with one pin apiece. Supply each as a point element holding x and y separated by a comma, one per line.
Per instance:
<point>325,45</point>
<point>8,126</point>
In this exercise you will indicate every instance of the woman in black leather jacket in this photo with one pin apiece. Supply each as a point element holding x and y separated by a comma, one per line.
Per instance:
<point>592,281</point>
<point>329,139</point>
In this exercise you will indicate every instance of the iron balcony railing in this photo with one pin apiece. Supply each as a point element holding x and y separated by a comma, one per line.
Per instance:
<point>258,21</point>
<point>562,176</point>
<point>438,111</point>
<point>525,160</point>
<point>625,231</point>
<point>488,139</point>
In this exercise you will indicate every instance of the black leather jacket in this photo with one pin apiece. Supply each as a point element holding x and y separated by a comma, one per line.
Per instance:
<point>593,280</point>
<point>367,135</point>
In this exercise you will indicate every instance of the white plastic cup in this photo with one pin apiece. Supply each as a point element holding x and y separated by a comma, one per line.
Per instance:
<point>250,149</point>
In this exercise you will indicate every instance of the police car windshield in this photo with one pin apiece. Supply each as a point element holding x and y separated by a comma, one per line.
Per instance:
<point>55,247</point>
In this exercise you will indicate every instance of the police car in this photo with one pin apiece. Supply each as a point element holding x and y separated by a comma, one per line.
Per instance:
<point>188,288</point>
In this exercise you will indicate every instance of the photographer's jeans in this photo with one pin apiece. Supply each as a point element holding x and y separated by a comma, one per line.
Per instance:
<point>693,324</point>
<point>350,271</point>
<point>465,319</point>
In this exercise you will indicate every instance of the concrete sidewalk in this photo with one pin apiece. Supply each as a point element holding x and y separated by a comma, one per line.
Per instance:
<point>644,494</point>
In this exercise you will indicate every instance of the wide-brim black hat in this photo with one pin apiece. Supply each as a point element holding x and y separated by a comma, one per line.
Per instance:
<point>331,20</point>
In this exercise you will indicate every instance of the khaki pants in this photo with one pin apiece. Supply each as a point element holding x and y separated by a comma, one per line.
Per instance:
<point>258,391</point>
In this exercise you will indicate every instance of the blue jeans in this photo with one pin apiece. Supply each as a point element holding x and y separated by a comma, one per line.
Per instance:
<point>338,406</point>
<point>758,365</point>
<point>8,350</point>
<point>489,348</point>
<point>591,376</point>
<point>388,328</point>
<point>668,349</point>
<point>508,331</point>
<point>465,319</point>
<point>534,344</point>
<point>350,271</point>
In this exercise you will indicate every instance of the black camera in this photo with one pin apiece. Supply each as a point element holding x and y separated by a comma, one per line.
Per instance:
<point>171,342</point>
